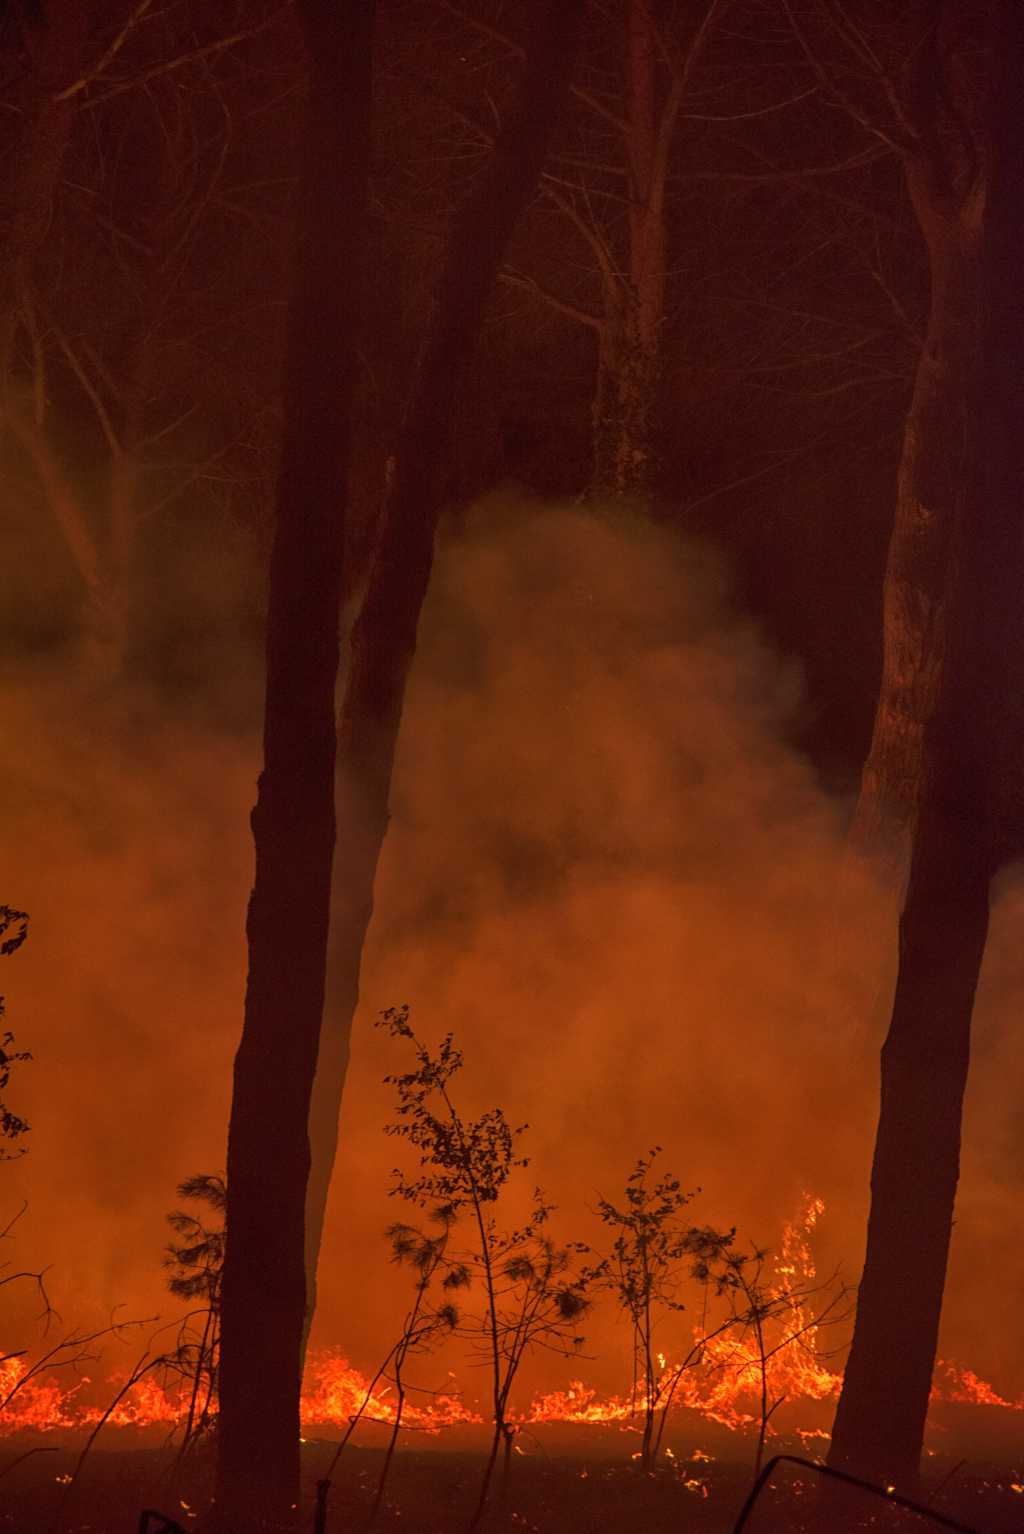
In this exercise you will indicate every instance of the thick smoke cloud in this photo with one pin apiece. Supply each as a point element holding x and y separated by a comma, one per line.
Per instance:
<point>608,871</point>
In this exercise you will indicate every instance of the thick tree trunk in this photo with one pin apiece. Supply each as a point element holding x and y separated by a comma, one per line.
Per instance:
<point>264,1290</point>
<point>384,636</point>
<point>964,826</point>
<point>625,405</point>
<point>880,1418</point>
<point>929,489</point>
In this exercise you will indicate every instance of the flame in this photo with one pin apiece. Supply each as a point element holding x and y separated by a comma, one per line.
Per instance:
<point>728,1377</point>
<point>43,1404</point>
<point>580,1403</point>
<point>338,1392</point>
<point>40,1403</point>
<point>723,1384</point>
<point>964,1385</point>
<point>146,1404</point>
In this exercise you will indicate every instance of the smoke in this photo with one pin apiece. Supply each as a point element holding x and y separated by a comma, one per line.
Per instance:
<point>609,872</point>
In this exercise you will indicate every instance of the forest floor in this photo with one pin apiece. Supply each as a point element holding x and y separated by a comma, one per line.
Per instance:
<point>432,1490</point>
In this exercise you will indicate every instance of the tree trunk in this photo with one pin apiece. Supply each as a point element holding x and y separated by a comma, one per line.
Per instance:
<point>625,404</point>
<point>384,635</point>
<point>929,486</point>
<point>969,755</point>
<point>56,35</point>
<point>880,1418</point>
<point>629,359</point>
<point>264,1291</point>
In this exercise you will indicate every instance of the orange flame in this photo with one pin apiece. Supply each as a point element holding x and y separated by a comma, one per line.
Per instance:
<point>338,1392</point>
<point>964,1385</point>
<point>723,1384</point>
<point>580,1403</point>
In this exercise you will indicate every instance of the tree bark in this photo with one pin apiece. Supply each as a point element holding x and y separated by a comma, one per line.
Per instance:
<point>384,635</point>
<point>965,645</point>
<point>930,485</point>
<point>629,357</point>
<point>264,1291</point>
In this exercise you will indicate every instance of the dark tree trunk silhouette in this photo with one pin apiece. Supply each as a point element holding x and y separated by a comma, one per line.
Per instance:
<point>54,39</point>
<point>264,1291</point>
<point>63,60</point>
<point>629,339</point>
<point>54,36</point>
<point>630,256</point>
<point>916,608</point>
<point>384,635</point>
<point>939,134</point>
<point>956,618</point>
<point>631,327</point>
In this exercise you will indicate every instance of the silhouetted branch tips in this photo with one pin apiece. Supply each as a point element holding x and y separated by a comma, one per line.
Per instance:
<point>532,1292</point>
<point>12,1125</point>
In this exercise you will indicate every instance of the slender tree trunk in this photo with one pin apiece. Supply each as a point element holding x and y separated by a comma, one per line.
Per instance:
<point>965,824</point>
<point>384,636</point>
<point>108,620</point>
<point>264,1291</point>
<point>55,37</point>
<point>629,359</point>
<point>56,34</point>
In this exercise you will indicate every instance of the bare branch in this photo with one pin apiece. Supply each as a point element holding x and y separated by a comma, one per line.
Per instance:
<point>590,234</point>
<point>39,1448</point>
<point>531,285</point>
<point>862,49</point>
<point>737,117</point>
<point>838,168</point>
<point>63,502</point>
<point>90,391</point>
<point>902,141</point>
<point>169,65</point>
<point>107,58</point>
<point>517,51</point>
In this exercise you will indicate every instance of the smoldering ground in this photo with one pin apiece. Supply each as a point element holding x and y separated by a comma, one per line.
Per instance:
<point>608,871</point>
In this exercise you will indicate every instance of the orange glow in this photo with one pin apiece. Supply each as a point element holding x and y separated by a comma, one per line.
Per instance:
<point>338,1392</point>
<point>580,1403</point>
<point>723,1385</point>
<point>963,1385</point>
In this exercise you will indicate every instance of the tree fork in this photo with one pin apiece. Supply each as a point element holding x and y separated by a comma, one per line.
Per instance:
<point>384,634</point>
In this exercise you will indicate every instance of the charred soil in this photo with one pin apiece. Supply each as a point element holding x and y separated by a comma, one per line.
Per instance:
<point>432,1490</point>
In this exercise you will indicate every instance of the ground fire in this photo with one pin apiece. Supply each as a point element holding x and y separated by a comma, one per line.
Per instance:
<point>723,1384</point>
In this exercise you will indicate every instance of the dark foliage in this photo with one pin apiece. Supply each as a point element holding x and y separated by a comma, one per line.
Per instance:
<point>12,1125</point>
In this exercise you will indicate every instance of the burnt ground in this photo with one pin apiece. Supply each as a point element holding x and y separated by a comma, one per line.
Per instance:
<point>568,1482</point>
